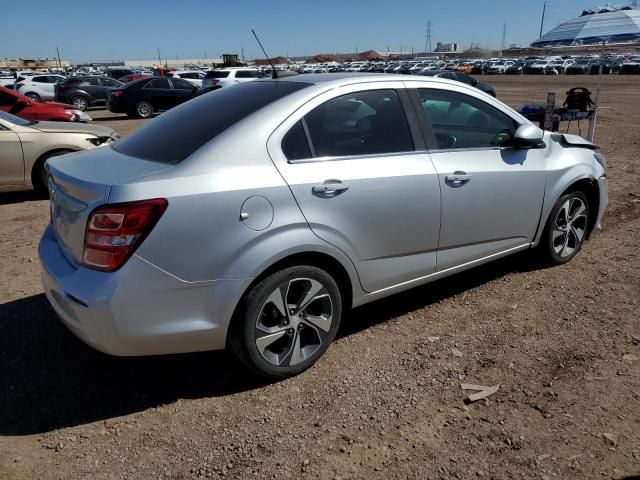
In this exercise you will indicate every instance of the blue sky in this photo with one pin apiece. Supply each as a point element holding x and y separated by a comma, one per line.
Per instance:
<point>102,31</point>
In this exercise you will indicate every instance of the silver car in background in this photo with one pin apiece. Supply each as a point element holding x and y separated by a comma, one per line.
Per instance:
<point>254,216</point>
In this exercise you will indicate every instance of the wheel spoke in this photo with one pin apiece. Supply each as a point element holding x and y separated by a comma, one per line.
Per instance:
<point>318,321</point>
<point>313,293</point>
<point>263,342</point>
<point>580,212</point>
<point>278,300</point>
<point>296,351</point>
<point>563,216</point>
<point>578,234</point>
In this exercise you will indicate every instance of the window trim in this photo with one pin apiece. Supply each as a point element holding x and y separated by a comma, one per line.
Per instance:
<point>409,114</point>
<point>428,131</point>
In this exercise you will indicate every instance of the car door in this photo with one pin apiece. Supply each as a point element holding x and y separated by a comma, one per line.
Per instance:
<point>106,85</point>
<point>491,194</point>
<point>11,158</point>
<point>363,180</point>
<point>159,92</point>
<point>182,91</point>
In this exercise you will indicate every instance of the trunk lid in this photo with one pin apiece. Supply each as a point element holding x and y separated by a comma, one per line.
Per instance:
<point>72,127</point>
<point>80,182</point>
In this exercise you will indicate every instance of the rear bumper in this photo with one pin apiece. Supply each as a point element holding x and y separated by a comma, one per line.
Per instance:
<point>140,309</point>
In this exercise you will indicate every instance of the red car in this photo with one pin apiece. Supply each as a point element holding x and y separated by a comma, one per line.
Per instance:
<point>132,77</point>
<point>21,106</point>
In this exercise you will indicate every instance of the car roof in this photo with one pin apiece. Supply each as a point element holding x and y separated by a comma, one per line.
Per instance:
<point>346,78</point>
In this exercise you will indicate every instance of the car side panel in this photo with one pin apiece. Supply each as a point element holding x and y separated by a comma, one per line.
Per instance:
<point>11,159</point>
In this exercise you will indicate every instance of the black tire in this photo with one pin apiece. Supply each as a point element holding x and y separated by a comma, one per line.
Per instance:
<point>144,109</point>
<point>33,96</point>
<point>253,310</point>
<point>552,239</point>
<point>82,102</point>
<point>39,174</point>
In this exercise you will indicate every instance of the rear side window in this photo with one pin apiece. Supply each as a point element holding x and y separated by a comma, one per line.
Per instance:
<point>158,83</point>
<point>249,74</point>
<point>295,145</point>
<point>216,74</point>
<point>40,79</point>
<point>178,133</point>
<point>362,123</point>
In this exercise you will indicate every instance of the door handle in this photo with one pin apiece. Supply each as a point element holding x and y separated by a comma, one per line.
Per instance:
<point>458,178</point>
<point>330,186</point>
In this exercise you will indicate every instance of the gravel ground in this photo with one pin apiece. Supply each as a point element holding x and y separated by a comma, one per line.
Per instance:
<point>563,343</point>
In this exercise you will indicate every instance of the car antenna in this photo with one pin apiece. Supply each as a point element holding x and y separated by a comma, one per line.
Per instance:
<point>274,75</point>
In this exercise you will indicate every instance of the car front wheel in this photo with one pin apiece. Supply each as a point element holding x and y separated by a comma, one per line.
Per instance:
<point>286,322</point>
<point>80,103</point>
<point>566,228</point>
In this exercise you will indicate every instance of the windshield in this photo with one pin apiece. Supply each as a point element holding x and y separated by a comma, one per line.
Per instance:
<point>181,131</point>
<point>15,120</point>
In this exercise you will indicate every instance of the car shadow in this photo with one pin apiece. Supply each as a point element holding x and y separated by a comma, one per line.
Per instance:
<point>8,198</point>
<point>49,379</point>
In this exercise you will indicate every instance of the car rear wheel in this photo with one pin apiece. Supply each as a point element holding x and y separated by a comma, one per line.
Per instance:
<point>33,96</point>
<point>80,102</point>
<point>566,228</point>
<point>39,178</point>
<point>286,322</point>
<point>144,109</point>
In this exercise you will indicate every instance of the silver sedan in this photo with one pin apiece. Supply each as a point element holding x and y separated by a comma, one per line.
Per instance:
<point>255,216</point>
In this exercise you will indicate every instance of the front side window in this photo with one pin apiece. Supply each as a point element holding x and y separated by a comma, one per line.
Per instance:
<point>40,79</point>
<point>7,100</point>
<point>110,82</point>
<point>362,123</point>
<point>462,121</point>
<point>181,84</point>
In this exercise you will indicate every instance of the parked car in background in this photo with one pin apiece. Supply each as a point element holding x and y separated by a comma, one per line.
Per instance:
<point>118,72</point>
<point>142,98</point>
<point>498,68</point>
<point>588,67</point>
<point>162,71</point>
<point>191,76</point>
<point>26,145</point>
<point>557,67</point>
<point>132,77</point>
<point>223,77</point>
<point>516,69</point>
<point>85,92</point>
<point>631,67</point>
<point>460,77</point>
<point>40,88</point>
<point>24,107</point>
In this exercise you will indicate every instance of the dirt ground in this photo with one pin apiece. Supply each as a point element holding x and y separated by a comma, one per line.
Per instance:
<point>385,402</point>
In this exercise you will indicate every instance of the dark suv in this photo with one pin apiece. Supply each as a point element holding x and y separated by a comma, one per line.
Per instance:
<point>460,77</point>
<point>85,92</point>
<point>142,98</point>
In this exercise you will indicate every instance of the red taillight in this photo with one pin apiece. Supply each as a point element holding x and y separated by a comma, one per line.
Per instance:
<point>116,93</point>
<point>115,231</point>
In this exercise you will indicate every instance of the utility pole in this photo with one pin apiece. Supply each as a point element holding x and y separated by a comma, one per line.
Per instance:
<point>159,57</point>
<point>427,37</point>
<point>59,62</point>
<point>634,4</point>
<point>544,11</point>
<point>503,45</point>
<point>242,53</point>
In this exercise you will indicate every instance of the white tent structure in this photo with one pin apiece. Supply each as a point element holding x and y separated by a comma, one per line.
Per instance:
<point>604,24</point>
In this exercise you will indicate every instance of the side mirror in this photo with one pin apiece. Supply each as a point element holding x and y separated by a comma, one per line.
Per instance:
<point>22,102</point>
<point>527,136</point>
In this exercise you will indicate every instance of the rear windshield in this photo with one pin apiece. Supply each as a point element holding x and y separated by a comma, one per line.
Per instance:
<point>216,74</point>
<point>175,135</point>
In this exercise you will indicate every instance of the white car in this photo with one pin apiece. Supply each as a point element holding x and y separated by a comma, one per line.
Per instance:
<point>39,88</point>
<point>192,76</point>
<point>223,77</point>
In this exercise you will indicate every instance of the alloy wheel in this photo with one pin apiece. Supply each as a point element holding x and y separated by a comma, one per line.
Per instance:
<point>293,322</point>
<point>80,103</point>
<point>569,227</point>
<point>144,109</point>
